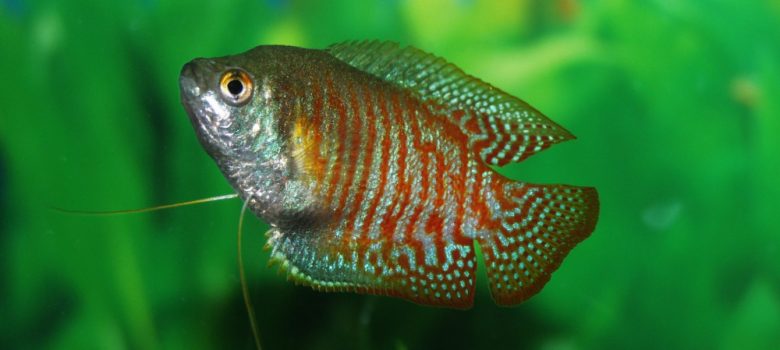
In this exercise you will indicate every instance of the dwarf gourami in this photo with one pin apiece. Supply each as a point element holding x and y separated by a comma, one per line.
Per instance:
<point>370,161</point>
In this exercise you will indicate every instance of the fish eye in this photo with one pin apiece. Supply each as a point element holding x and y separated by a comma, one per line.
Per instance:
<point>236,87</point>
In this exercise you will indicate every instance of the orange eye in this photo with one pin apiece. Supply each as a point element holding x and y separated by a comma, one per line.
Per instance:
<point>236,87</point>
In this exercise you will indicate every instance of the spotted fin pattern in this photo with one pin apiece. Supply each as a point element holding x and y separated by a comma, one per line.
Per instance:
<point>533,229</point>
<point>380,267</point>
<point>501,128</point>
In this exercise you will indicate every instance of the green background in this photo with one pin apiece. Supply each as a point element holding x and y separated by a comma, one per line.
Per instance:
<point>676,106</point>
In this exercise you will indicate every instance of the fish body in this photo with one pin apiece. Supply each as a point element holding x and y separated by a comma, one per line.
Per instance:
<point>370,162</point>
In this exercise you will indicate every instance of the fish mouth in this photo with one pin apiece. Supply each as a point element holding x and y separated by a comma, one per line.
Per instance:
<point>191,87</point>
<point>195,98</point>
<point>188,80</point>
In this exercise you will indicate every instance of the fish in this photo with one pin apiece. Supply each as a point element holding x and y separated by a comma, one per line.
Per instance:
<point>372,162</point>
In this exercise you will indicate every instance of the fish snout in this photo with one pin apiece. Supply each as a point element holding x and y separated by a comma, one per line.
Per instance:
<point>193,87</point>
<point>191,80</point>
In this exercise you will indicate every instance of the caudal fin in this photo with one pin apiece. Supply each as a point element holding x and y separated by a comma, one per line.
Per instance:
<point>536,229</point>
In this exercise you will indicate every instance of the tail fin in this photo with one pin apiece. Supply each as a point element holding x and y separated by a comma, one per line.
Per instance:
<point>537,227</point>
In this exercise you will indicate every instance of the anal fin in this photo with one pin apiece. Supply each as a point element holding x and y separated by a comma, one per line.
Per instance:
<point>331,260</point>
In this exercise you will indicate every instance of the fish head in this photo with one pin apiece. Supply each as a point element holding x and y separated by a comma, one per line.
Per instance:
<point>240,107</point>
<point>233,104</point>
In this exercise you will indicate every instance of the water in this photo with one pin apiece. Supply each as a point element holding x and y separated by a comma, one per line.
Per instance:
<point>675,106</point>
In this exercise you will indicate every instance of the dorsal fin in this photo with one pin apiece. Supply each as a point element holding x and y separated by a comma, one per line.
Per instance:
<point>501,127</point>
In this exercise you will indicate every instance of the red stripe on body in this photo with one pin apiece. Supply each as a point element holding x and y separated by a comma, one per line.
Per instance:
<point>424,151</point>
<point>451,127</point>
<point>350,155</point>
<point>368,156</point>
<point>337,106</point>
<point>383,166</point>
<point>438,203</point>
<point>401,192</point>
<point>413,120</point>
<point>459,188</point>
<point>314,136</point>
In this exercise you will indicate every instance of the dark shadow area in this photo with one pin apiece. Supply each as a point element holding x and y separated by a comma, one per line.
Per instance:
<point>306,319</point>
<point>147,87</point>
<point>55,307</point>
